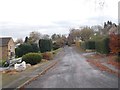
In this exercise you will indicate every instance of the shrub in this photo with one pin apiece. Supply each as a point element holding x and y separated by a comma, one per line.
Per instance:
<point>3,63</point>
<point>35,48</point>
<point>102,46</point>
<point>77,43</point>
<point>23,49</point>
<point>90,44</point>
<point>32,58</point>
<point>117,58</point>
<point>26,48</point>
<point>47,55</point>
<point>114,43</point>
<point>82,45</point>
<point>45,45</point>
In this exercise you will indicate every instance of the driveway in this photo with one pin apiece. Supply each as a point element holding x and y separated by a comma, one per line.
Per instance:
<point>73,71</point>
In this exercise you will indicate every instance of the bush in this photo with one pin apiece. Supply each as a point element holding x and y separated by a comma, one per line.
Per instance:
<point>3,63</point>
<point>32,58</point>
<point>26,48</point>
<point>114,43</point>
<point>45,45</point>
<point>102,46</point>
<point>117,58</point>
<point>82,45</point>
<point>35,48</point>
<point>23,49</point>
<point>77,43</point>
<point>90,45</point>
<point>47,55</point>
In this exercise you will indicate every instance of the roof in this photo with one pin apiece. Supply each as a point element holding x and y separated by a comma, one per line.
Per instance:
<point>4,41</point>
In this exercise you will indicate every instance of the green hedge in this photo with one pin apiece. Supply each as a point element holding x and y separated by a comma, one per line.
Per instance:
<point>25,48</point>
<point>32,58</point>
<point>45,45</point>
<point>102,46</point>
<point>87,45</point>
<point>90,44</point>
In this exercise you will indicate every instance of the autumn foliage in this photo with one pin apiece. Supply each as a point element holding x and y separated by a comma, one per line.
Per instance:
<point>114,43</point>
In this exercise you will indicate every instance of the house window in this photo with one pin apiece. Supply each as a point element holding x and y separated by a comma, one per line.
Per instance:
<point>10,47</point>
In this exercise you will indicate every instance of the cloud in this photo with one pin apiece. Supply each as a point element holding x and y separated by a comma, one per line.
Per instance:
<point>19,18</point>
<point>17,30</point>
<point>99,20</point>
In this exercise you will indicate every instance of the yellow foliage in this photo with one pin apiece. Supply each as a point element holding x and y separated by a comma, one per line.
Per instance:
<point>77,43</point>
<point>47,55</point>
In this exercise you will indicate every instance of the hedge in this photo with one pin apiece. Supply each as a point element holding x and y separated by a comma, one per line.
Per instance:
<point>45,45</point>
<point>82,45</point>
<point>102,46</point>
<point>90,44</point>
<point>32,58</point>
<point>26,48</point>
<point>87,45</point>
<point>23,49</point>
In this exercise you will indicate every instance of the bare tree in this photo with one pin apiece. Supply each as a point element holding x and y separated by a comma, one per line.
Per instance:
<point>34,37</point>
<point>19,41</point>
<point>86,33</point>
<point>45,36</point>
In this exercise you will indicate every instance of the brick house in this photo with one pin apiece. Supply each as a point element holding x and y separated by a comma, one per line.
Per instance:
<point>7,48</point>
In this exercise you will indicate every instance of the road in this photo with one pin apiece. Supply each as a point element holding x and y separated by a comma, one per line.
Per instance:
<point>73,71</point>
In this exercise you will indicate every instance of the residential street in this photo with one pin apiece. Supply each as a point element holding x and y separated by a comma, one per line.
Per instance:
<point>73,71</point>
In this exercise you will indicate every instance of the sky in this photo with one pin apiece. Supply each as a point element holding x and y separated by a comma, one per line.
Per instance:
<point>20,17</point>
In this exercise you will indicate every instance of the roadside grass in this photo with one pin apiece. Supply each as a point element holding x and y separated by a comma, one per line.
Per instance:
<point>12,76</point>
<point>56,51</point>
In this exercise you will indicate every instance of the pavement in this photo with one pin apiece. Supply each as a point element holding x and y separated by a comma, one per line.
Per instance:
<point>73,71</point>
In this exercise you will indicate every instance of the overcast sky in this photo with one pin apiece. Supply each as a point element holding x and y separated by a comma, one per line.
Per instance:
<point>19,17</point>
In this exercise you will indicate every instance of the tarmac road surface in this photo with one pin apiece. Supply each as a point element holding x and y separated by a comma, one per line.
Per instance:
<point>73,71</point>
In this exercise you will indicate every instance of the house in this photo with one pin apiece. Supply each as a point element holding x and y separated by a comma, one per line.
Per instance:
<point>7,48</point>
<point>110,28</point>
<point>113,29</point>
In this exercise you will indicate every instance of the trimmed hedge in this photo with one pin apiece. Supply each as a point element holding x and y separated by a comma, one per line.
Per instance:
<point>90,45</point>
<point>102,46</point>
<point>32,58</point>
<point>26,48</point>
<point>82,45</point>
<point>45,45</point>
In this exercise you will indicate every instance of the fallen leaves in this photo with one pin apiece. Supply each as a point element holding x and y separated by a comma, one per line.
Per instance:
<point>10,72</point>
<point>96,61</point>
<point>102,67</point>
